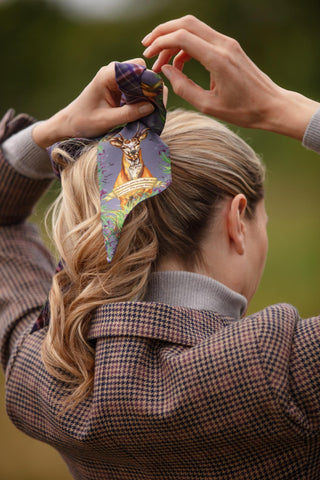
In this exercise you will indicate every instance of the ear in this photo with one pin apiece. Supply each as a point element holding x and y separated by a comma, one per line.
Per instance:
<point>236,223</point>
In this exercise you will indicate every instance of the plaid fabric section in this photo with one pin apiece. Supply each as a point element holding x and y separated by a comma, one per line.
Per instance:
<point>25,264</point>
<point>44,317</point>
<point>26,272</point>
<point>138,84</point>
<point>128,77</point>
<point>18,194</point>
<point>179,325</point>
<point>211,398</point>
<point>304,372</point>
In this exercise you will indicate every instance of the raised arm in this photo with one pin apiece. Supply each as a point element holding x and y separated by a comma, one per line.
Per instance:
<point>95,111</point>
<point>26,268</point>
<point>240,93</point>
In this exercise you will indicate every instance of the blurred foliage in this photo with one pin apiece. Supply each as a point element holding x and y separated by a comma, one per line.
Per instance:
<point>47,59</point>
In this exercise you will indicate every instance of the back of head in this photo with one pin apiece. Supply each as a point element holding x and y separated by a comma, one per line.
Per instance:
<point>209,164</point>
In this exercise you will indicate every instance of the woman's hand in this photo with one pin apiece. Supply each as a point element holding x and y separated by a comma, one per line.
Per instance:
<point>93,112</point>
<point>240,92</point>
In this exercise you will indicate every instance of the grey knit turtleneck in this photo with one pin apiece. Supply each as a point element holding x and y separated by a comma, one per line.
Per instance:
<point>186,289</point>
<point>311,138</point>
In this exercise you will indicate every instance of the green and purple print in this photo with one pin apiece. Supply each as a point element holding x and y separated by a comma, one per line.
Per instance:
<point>133,162</point>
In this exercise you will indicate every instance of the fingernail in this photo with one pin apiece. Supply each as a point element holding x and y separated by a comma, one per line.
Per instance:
<point>146,38</point>
<point>146,52</point>
<point>155,65</point>
<point>167,71</point>
<point>146,108</point>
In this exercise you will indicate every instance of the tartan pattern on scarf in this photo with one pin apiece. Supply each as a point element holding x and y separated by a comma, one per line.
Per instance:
<point>178,393</point>
<point>137,83</point>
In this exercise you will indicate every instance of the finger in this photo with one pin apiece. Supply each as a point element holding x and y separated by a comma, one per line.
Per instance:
<point>165,95</point>
<point>127,113</point>
<point>189,23</point>
<point>183,40</point>
<point>138,61</point>
<point>106,74</point>
<point>212,82</point>
<point>180,60</point>
<point>163,59</point>
<point>105,81</point>
<point>186,88</point>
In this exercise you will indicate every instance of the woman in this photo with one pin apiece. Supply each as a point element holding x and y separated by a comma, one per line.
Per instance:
<point>167,378</point>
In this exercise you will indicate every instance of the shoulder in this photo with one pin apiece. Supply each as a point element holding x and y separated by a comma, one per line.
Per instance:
<point>275,323</point>
<point>274,332</point>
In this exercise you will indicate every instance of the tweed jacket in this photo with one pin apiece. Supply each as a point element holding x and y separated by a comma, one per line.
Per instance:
<point>178,393</point>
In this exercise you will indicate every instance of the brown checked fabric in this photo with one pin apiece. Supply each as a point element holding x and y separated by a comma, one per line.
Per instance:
<point>178,394</point>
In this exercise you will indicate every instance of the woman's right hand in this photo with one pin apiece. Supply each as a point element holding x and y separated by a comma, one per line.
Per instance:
<point>240,93</point>
<point>95,111</point>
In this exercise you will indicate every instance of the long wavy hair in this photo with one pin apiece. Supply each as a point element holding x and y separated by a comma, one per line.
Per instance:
<point>209,164</point>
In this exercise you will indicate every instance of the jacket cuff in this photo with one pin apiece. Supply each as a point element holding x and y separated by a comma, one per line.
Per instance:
<point>311,137</point>
<point>25,156</point>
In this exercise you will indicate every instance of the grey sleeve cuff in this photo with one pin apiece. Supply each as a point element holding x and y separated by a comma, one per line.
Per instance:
<point>311,137</point>
<point>25,156</point>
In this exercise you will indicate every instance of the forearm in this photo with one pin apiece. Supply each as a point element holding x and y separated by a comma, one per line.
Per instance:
<point>18,192</point>
<point>291,114</point>
<point>26,268</point>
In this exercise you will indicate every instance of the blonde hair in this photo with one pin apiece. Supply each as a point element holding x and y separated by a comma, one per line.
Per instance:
<point>209,163</point>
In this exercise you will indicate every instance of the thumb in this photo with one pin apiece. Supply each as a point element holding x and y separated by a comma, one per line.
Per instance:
<point>184,86</point>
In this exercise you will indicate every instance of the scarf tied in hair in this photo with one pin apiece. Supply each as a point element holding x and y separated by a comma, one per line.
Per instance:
<point>133,162</point>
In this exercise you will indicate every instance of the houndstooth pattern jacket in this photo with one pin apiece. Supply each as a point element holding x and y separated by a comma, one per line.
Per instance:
<point>178,393</point>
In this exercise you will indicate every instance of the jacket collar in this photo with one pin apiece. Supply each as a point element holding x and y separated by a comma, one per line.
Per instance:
<point>184,326</point>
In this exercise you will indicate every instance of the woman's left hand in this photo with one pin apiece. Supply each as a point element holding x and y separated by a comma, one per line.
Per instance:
<point>93,112</point>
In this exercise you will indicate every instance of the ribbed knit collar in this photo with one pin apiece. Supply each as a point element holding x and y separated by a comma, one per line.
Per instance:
<point>191,290</point>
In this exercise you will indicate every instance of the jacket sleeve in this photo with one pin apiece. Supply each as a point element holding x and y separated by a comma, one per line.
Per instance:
<point>290,358</point>
<point>311,138</point>
<point>26,267</point>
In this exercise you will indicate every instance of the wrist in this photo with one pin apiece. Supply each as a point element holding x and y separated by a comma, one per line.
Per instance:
<point>49,131</point>
<point>289,113</point>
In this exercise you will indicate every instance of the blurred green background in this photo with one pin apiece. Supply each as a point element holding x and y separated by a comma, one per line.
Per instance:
<point>48,55</point>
